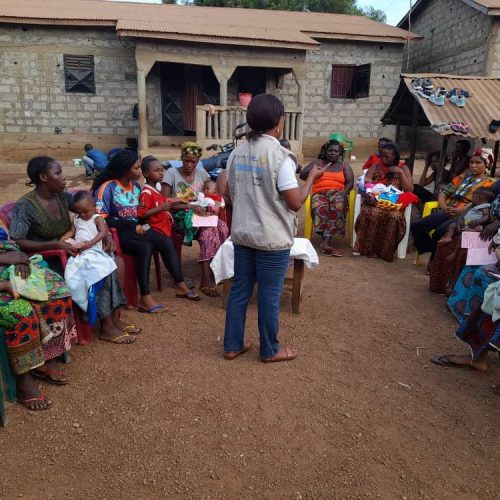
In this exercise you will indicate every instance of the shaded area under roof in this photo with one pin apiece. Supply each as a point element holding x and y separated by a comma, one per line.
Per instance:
<point>480,109</point>
<point>139,19</point>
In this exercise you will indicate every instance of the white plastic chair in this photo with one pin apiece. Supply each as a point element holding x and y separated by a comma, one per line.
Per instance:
<point>403,245</point>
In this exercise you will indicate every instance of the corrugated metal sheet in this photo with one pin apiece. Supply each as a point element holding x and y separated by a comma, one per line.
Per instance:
<point>480,109</point>
<point>489,4</point>
<point>244,24</point>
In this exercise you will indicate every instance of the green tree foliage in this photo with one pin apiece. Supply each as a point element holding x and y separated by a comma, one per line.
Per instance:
<point>331,6</point>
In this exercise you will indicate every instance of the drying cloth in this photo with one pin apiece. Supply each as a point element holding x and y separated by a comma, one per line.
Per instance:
<point>491,301</point>
<point>85,270</point>
<point>222,264</point>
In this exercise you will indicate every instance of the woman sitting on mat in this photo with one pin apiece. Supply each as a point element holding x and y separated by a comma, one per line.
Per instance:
<point>453,200</point>
<point>190,178</point>
<point>41,218</point>
<point>379,231</point>
<point>36,333</point>
<point>117,193</point>
<point>330,195</point>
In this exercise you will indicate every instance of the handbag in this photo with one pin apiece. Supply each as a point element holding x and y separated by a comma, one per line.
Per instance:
<point>34,287</point>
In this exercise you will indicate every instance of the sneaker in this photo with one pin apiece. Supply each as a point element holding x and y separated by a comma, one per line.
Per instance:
<point>417,84</point>
<point>438,99</point>
<point>458,100</point>
<point>425,93</point>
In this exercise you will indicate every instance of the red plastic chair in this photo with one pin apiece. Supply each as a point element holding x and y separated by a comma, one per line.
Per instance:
<point>84,330</point>
<point>130,287</point>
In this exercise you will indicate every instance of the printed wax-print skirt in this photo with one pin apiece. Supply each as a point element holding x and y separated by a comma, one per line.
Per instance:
<point>468,292</point>
<point>379,232</point>
<point>36,332</point>
<point>479,331</point>
<point>444,273</point>
<point>328,210</point>
<point>210,240</point>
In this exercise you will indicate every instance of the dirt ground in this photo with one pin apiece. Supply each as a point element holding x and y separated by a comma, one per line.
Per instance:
<point>361,413</point>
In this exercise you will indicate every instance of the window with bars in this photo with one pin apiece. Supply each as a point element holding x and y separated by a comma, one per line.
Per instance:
<point>350,81</point>
<point>79,74</point>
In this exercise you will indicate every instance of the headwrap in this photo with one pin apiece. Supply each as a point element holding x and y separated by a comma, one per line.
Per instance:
<point>486,154</point>
<point>192,149</point>
<point>326,145</point>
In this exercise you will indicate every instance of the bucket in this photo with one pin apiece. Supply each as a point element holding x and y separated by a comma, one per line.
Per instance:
<point>245,98</point>
<point>77,162</point>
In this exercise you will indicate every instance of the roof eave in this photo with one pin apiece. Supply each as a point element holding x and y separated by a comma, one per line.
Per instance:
<point>58,22</point>
<point>217,40</point>
<point>360,38</point>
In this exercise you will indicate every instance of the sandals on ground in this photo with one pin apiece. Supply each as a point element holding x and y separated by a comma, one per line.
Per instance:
<point>47,376</point>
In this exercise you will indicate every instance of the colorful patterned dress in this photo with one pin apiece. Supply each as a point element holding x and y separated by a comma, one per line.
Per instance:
<point>36,332</point>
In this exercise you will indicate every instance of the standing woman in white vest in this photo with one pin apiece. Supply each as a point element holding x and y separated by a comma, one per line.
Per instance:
<point>265,195</point>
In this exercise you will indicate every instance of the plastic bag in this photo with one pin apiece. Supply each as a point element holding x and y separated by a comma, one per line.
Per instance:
<point>34,287</point>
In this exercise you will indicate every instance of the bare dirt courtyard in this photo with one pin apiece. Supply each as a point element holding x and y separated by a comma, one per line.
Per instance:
<point>361,413</point>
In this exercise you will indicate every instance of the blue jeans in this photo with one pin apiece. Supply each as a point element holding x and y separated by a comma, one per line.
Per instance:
<point>267,269</point>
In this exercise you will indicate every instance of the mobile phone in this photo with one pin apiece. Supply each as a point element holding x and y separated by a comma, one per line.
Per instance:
<point>146,227</point>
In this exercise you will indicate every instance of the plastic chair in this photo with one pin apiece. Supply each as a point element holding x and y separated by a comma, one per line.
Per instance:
<point>346,143</point>
<point>130,287</point>
<point>403,244</point>
<point>308,223</point>
<point>428,208</point>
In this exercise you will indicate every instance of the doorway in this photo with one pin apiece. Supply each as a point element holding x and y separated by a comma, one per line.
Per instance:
<point>183,87</point>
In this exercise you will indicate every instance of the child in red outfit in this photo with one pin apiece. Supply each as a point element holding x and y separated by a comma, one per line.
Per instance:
<point>154,213</point>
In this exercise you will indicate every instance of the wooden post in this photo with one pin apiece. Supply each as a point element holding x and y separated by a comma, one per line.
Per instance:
<point>298,275</point>
<point>143,119</point>
<point>300,118</point>
<point>414,130</point>
<point>442,162</point>
<point>398,132</point>
<point>495,155</point>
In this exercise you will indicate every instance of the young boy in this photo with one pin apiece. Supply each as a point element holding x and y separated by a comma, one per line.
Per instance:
<point>93,160</point>
<point>154,212</point>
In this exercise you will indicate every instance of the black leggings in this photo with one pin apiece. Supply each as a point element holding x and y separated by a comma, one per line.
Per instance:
<point>142,248</point>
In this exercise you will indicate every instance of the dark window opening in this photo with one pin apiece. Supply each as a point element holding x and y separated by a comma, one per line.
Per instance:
<point>350,82</point>
<point>79,74</point>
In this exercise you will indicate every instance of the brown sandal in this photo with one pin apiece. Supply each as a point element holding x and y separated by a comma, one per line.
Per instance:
<point>235,354</point>
<point>284,354</point>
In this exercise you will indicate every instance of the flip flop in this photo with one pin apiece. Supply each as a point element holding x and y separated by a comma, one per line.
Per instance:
<point>117,340</point>
<point>38,399</point>
<point>157,309</point>
<point>279,356</point>
<point>444,360</point>
<point>47,376</point>
<point>210,291</point>
<point>188,295</point>
<point>234,354</point>
<point>131,329</point>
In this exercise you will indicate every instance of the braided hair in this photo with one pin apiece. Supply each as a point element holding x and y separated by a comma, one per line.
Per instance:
<point>36,167</point>
<point>326,145</point>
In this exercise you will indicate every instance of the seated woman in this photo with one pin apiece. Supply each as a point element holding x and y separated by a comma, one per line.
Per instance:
<point>330,195</point>
<point>426,179</point>
<point>39,220</point>
<point>453,200</point>
<point>379,231</point>
<point>375,157</point>
<point>36,333</point>
<point>477,328</point>
<point>190,178</point>
<point>117,194</point>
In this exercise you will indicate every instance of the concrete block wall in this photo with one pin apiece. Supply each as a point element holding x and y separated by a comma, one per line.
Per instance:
<point>455,39</point>
<point>33,98</point>
<point>356,118</point>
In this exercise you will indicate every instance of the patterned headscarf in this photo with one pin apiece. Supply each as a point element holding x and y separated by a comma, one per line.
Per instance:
<point>326,145</point>
<point>192,149</point>
<point>486,154</point>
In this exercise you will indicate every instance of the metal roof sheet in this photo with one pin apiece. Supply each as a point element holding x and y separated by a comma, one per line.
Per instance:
<point>480,109</point>
<point>235,23</point>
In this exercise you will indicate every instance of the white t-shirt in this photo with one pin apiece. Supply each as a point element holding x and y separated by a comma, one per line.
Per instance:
<point>286,176</point>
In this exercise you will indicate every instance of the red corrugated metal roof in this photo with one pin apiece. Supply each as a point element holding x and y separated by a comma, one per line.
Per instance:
<point>246,24</point>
